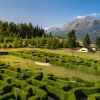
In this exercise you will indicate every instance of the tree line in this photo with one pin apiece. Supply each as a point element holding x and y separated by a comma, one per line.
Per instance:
<point>73,42</point>
<point>44,41</point>
<point>23,35</point>
<point>47,41</point>
<point>21,30</point>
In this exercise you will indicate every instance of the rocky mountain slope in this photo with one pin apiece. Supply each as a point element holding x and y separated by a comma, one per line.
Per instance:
<point>82,26</point>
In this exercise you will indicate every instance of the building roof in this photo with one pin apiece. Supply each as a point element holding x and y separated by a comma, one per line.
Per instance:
<point>89,48</point>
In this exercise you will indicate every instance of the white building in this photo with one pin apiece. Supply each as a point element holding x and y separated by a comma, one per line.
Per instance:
<point>87,49</point>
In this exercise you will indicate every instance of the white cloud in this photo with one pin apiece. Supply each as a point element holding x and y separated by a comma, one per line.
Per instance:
<point>78,17</point>
<point>46,28</point>
<point>92,15</point>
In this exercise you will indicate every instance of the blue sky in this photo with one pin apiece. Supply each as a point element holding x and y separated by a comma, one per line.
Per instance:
<point>47,13</point>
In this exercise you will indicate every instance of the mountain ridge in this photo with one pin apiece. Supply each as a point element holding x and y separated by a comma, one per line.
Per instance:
<point>82,26</point>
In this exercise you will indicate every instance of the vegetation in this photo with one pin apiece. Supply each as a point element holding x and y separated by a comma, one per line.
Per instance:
<point>86,40</point>
<point>23,30</point>
<point>14,35</point>
<point>26,35</point>
<point>97,43</point>
<point>26,85</point>
<point>59,71</point>
<point>72,39</point>
<point>22,79</point>
<point>90,66</point>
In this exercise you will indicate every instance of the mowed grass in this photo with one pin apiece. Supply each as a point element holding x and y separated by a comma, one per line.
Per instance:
<point>15,62</point>
<point>69,52</point>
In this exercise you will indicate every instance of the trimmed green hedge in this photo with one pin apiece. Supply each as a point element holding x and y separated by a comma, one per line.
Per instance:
<point>94,96</point>
<point>4,53</point>
<point>25,85</point>
<point>84,92</point>
<point>20,94</point>
<point>56,93</point>
<point>7,96</point>
<point>58,84</point>
<point>36,97</point>
<point>89,66</point>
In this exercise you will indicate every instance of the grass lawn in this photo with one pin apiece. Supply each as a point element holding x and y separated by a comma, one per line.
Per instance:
<point>69,52</point>
<point>57,71</point>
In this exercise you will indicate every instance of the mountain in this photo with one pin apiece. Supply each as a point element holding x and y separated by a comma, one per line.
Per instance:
<point>82,26</point>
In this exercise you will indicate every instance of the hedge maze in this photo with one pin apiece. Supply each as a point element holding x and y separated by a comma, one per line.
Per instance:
<point>17,84</point>
<point>89,66</point>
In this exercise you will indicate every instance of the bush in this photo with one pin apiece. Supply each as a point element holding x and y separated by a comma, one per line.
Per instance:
<point>94,96</point>
<point>77,63</point>
<point>7,96</point>
<point>56,93</point>
<point>8,88</point>
<point>18,70</point>
<point>41,93</point>
<point>3,53</point>
<point>36,97</point>
<point>38,76</point>
<point>20,94</point>
<point>85,92</point>
<point>36,83</point>
<point>9,45</point>
<point>58,84</point>
<point>11,73</point>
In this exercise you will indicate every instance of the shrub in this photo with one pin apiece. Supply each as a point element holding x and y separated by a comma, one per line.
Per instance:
<point>41,93</point>
<point>85,91</point>
<point>7,96</point>
<point>8,88</point>
<point>36,97</point>
<point>19,93</point>
<point>38,76</point>
<point>36,83</point>
<point>3,53</point>
<point>94,96</point>
<point>9,45</point>
<point>18,70</point>
<point>11,73</point>
<point>58,84</point>
<point>56,93</point>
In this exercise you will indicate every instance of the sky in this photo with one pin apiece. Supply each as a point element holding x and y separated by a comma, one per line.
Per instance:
<point>47,13</point>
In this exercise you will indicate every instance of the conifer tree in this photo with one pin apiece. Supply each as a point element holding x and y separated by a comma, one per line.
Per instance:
<point>86,41</point>
<point>48,43</point>
<point>71,39</point>
<point>64,43</point>
<point>97,43</point>
<point>54,44</point>
<point>42,41</point>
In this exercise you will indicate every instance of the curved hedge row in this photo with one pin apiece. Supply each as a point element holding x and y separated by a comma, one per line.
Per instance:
<point>95,96</point>
<point>90,66</point>
<point>17,84</point>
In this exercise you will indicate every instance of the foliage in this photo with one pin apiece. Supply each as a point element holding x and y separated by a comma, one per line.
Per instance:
<point>23,30</point>
<point>97,43</point>
<point>90,66</point>
<point>71,39</point>
<point>86,41</point>
<point>36,86</point>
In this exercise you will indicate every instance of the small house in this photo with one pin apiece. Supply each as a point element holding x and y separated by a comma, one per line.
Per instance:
<point>87,49</point>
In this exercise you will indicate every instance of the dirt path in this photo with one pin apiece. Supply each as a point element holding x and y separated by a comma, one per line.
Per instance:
<point>42,64</point>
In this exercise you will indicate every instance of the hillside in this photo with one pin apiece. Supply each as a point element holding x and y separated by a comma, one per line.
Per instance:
<point>82,26</point>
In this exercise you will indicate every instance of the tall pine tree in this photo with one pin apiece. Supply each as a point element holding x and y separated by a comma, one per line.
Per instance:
<point>97,43</point>
<point>71,39</point>
<point>86,41</point>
